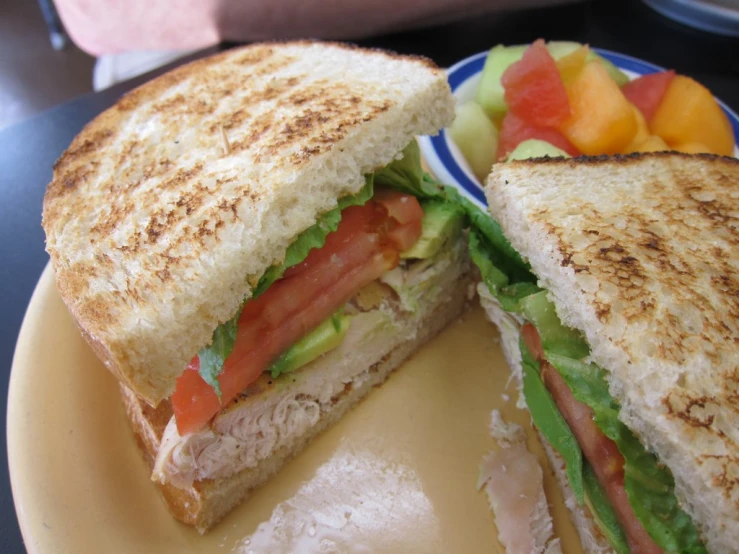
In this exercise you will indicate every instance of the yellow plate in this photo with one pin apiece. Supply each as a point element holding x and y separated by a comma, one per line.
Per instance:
<point>397,474</point>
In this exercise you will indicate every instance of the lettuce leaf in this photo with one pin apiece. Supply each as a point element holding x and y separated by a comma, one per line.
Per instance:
<point>482,257</point>
<point>650,486</point>
<point>506,258</point>
<point>406,175</point>
<point>487,260</point>
<point>499,263</point>
<point>213,356</point>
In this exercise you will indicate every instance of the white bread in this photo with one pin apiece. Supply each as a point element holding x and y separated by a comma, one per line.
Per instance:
<point>591,538</point>
<point>168,207</point>
<point>205,502</point>
<point>640,254</point>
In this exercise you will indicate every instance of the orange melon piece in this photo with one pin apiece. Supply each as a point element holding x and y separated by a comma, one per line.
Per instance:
<point>569,66</point>
<point>692,148</point>
<point>642,131</point>
<point>652,143</point>
<point>689,113</point>
<point>602,120</point>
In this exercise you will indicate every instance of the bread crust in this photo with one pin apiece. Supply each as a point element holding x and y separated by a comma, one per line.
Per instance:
<point>640,254</point>
<point>167,208</point>
<point>206,502</point>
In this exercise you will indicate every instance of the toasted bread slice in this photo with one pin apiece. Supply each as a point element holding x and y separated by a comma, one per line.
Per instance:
<point>277,419</point>
<point>641,254</point>
<point>168,207</point>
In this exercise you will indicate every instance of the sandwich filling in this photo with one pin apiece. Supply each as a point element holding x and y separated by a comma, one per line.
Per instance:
<point>628,492</point>
<point>274,412</point>
<point>365,245</point>
<point>294,313</point>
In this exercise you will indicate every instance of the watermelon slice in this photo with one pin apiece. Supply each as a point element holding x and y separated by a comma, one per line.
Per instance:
<point>514,130</point>
<point>647,91</point>
<point>534,90</point>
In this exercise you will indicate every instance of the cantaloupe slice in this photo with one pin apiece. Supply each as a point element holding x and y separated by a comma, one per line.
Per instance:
<point>642,132</point>
<point>689,113</point>
<point>652,143</point>
<point>570,65</point>
<point>602,120</point>
<point>692,148</point>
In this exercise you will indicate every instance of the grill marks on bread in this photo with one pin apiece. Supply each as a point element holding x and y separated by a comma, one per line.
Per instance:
<point>195,183</point>
<point>658,254</point>
<point>640,253</point>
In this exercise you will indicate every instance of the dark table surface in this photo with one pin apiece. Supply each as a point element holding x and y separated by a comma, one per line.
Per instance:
<point>28,149</point>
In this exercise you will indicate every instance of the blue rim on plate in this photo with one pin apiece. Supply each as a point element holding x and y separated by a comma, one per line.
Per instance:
<point>438,153</point>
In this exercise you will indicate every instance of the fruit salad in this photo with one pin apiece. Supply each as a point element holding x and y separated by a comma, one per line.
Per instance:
<point>563,99</point>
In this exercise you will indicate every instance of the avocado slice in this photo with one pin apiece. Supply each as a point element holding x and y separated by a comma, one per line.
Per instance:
<point>442,221</point>
<point>327,336</point>
<point>555,337</point>
<point>535,148</point>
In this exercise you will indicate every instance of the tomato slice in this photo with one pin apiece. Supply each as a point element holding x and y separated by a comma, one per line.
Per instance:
<point>647,91</point>
<point>365,246</point>
<point>355,221</point>
<point>403,208</point>
<point>515,130</point>
<point>294,293</point>
<point>405,236</point>
<point>532,340</point>
<point>194,402</point>
<point>372,217</point>
<point>534,89</point>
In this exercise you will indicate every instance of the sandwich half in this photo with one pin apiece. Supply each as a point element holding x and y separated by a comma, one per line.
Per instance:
<point>618,306</point>
<point>249,245</point>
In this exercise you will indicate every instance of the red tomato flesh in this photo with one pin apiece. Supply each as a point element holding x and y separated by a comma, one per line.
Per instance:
<point>647,91</point>
<point>405,236</point>
<point>534,90</point>
<point>401,207</point>
<point>514,130</point>
<point>366,245</point>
